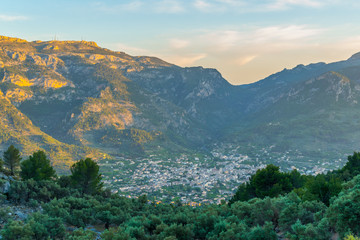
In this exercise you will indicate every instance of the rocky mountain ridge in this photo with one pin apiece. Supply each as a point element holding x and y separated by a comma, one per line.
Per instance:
<point>75,99</point>
<point>100,102</point>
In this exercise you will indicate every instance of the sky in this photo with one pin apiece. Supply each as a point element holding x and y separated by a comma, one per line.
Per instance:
<point>246,40</point>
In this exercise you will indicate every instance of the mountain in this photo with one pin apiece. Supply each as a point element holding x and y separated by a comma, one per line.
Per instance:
<point>309,112</point>
<point>76,95</point>
<point>75,99</point>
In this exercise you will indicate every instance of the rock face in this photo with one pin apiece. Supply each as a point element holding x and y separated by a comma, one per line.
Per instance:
<point>74,99</point>
<point>4,183</point>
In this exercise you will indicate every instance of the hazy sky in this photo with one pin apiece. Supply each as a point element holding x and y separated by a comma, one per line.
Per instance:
<point>245,40</point>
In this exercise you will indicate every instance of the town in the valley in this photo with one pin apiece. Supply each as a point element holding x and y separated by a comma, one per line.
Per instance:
<point>197,179</point>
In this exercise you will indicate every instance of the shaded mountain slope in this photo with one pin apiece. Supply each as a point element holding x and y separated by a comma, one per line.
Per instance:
<point>315,116</point>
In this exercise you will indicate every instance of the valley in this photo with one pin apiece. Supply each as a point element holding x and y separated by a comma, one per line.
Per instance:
<point>200,179</point>
<point>166,131</point>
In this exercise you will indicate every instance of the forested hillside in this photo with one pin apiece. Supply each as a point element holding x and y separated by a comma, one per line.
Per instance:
<point>36,204</point>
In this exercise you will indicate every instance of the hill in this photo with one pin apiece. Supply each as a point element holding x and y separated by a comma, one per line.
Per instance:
<point>75,99</point>
<point>98,102</point>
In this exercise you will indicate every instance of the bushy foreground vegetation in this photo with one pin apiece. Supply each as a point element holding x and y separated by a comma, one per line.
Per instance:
<point>272,204</point>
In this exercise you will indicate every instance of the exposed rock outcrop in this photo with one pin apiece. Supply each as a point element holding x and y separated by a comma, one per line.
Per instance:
<point>5,183</point>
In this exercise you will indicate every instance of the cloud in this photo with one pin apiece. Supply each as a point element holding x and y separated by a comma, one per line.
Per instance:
<point>218,5</point>
<point>285,4</point>
<point>231,2</point>
<point>163,6</point>
<point>209,6</point>
<point>185,60</point>
<point>228,41</point>
<point>253,51</point>
<point>244,60</point>
<point>125,7</point>
<point>132,6</point>
<point>129,49</point>
<point>202,5</point>
<point>9,18</point>
<point>242,54</point>
<point>222,40</point>
<point>169,6</point>
<point>256,5</point>
<point>285,33</point>
<point>179,43</point>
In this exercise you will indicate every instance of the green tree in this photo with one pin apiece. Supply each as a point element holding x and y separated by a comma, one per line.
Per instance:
<point>177,231</point>
<point>351,237</point>
<point>115,234</point>
<point>244,192</point>
<point>322,188</point>
<point>46,227</point>
<point>37,167</point>
<point>263,233</point>
<point>17,230</point>
<point>82,234</point>
<point>307,212</point>
<point>344,211</point>
<point>320,231</point>
<point>297,180</point>
<point>270,182</point>
<point>85,176</point>
<point>12,159</point>
<point>267,182</point>
<point>351,168</point>
<point>1,165</point>
<point>234,231</point>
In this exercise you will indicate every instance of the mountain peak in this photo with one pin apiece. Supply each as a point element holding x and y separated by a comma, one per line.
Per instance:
<point>11,39</point>
<point>82,42</point>
<point>19,40</point>
<point>356,56</point>
<point>55,46</point>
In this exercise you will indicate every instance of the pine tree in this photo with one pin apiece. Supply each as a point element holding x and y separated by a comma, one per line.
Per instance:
<point>86,177</point>
<point>37,167</point>
<point>12,159</point>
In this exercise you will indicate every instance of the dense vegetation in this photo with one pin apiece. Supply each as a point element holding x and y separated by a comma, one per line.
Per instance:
<point>270,182</point>
<point>271,204</point>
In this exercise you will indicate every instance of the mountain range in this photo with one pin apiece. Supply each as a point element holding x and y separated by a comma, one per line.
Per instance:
<point>74,99</point>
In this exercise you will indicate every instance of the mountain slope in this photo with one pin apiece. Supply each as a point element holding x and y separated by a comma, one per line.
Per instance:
<point>17,129</point>
<point>314,117</point>
<point>86,96</point>
<point>76,99</point>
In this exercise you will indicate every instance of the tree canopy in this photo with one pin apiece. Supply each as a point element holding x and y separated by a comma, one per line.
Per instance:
<point>85,176</point>
<point>38,167</point>
<point>311,208</point>
<point>351,168</point>
<point>344,212</point>
<point>267,182</point>
<point>12,159</point>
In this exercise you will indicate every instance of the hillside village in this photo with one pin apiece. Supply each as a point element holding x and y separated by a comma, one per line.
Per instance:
<point>187,178</point>
<point>198,179</point>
